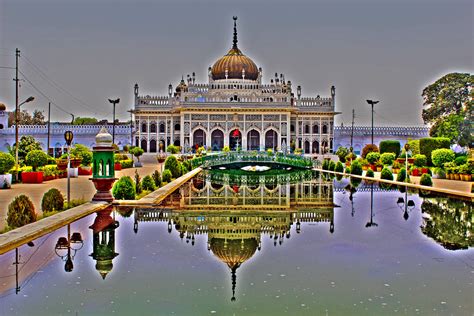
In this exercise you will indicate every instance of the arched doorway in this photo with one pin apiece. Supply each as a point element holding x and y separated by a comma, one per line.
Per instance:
<point>143,145</point>
<point>235,139</point>
<point>217,139</point>
<point>271,140</point>
<point>315,147</point>
<point>306,147</point>
<point>153,146</point>
<point>324,147</point>
<point>253,140</point>
<point>199,138</point>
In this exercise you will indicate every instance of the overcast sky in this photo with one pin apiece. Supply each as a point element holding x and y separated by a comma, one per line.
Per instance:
<point>87,51</point>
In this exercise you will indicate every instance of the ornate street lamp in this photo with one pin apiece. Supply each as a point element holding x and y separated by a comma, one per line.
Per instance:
<point>17,109</point>
<point>67,247</point>
<point>114,102</point>
<point>405,205</point>
<point>68,137</point>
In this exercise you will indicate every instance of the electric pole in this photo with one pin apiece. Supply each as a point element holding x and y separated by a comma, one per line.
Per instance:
<point>49,126</point>
<point>17,56</point>
<point>352,129</point>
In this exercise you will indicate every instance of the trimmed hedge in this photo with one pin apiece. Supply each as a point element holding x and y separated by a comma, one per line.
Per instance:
<point>386,174</point>
<point>402,174</point>
<point>157,178</point>
<point>148,183</point>
<point>387,158</point>
<point>339,167</point>
<point>441,156</point>
<point>426,180</point>
<point>126,163</point>
<point>390,146</point>
<point>124,189</point>
<point>368,149</point>
<point>420,160</point>
<point>21,211</point>
<point>36,158</point>
<point>52,200</point>
<point>429,144</point>
<point>332,165</point>
<point>356,168</point>
<point>369,173</point>
<point>166,176</point>
<point>173,165</point>
<point>372,157</point>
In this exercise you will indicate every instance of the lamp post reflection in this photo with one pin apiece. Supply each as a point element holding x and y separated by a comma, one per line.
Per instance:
<point>371,222</point>
<point>67,247</point>
<point>405,205</point>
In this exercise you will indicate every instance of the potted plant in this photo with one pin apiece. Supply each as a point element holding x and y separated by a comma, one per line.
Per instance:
<point>35,159</point>
<point>85,167</point>
<point>372,158</point>
<point>396,167</point>
<point>456,174</point>
<point>137,152</point>
<point>365,164</point>
<point>379,166</point>
<point>62,162</point>
<point>49,172</point>
<point>6,163</point>
<point>465,172</point>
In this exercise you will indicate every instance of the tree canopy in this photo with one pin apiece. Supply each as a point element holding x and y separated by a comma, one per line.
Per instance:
<point>448,107</point>
<point>25,118</point>
<point>84,120</point>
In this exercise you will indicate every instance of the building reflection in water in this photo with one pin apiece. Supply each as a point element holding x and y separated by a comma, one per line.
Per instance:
<point>235,216</point>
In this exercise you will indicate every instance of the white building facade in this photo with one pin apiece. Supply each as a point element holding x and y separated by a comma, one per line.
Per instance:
<point>236,109</point>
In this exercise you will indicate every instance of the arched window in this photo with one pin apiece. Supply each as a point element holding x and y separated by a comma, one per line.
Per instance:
<point>316,129</point>
<point>144,129</point>
<point>152,128</point>
<point>162,127</point>
<point>177,127</point>
<point>1,126</point>
<point>306,129</point>
<point>325,129</point>
<point>292,128</point>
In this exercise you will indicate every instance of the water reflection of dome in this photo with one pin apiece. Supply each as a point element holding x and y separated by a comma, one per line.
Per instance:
<point>233,252</point>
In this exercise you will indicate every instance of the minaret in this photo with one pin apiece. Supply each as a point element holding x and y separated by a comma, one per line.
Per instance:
<point>234,41</point>
<point>135,90</point>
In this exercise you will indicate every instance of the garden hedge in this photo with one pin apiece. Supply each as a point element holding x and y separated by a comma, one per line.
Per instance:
<point>52,200</point>
<point>426,180</point>
<point>390,146</point>
<point>6,162</point>
<point>21,211</point>
<point>428,144</point>
<point>441,156</point>
<point>386,174</point>
<point>124,189</point>
<point>148,183</point>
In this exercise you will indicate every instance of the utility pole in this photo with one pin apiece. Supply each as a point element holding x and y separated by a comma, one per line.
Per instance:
<point>17,56</point>
<point>131,127</point>
<point>372,103</point>
<point>352,129</point>
<point>49,126</point>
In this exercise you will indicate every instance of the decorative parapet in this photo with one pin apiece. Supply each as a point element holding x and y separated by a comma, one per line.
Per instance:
<point>419,131</point>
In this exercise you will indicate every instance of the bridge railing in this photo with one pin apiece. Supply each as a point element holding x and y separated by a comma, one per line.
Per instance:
<point>252,180</point>
<point>252,156</point>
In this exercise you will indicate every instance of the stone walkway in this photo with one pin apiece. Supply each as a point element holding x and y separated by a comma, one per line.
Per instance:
<point>81,187</point>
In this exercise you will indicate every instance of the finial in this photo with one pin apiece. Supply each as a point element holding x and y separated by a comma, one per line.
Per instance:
<point>234,281</point>
<point>235,33</point>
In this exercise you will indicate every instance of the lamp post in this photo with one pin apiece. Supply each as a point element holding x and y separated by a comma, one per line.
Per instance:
<point>407,147</point>
<point>16,130</point>
<point>404,204</point>
<point>371,223</point>
<point>372,103</point>
<point>114,102</point>
<point>68,137</point>
<point>66,244</point>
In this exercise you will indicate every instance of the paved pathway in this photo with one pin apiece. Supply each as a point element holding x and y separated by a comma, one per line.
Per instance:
<point>81,187</point>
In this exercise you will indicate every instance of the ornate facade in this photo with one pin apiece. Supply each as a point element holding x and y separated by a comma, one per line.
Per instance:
<point>236,109</point>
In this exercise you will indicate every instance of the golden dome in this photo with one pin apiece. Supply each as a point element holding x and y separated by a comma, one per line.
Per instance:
<point>234,64</point>
<point>234,252</point>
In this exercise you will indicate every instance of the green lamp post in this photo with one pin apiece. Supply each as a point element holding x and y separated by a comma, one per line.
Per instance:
<point>103,174</point>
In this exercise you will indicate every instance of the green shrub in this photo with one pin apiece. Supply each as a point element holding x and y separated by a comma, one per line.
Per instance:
<point>387,158</point>
<point>124,189</point>
<point>166,176</point>
<point>339,167</point>
<point>148,183</point>
<point>414,146</point>
<point>137,152</point>
<point>356,168</point>
<point>21,211</point>
<point>368,149</point>
<point>420,160</point>
<point>226,149</point>
<point>157,178</point>
<point>331,166</point>
<point>325,165</point>
<point>26,144</point>
<point>369,173</point>
<point>138,183</point>
<point>461,160</point>
<point>351,156</point>
<point>402,174</point>
<point>386,174</point>
<point>6,162</point>
<point>342,152</point>
<point>372,157</point>
<point>441,156</point>
<point>74,203</point>
<point>172,164</point>
<point>52,200</point>
<point>36,158</point>
<point>427,145</point>
<point>82,152</point>
<point>426,180</point>
<point>348,170</point>
<point>184,169</point>
<point>188,165</point>
<point>390,146</point>
<point>172,149</point>
<point>126,163</point>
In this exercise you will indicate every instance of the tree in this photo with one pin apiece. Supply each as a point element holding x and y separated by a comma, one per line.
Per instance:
<point>84,121</point>
<point>448,107</point>
<point>38,118</point>
<point>25,118</point>
<point>27,144</point>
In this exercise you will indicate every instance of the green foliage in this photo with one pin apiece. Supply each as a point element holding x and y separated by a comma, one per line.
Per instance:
<point>390,146</point>
<point>331,166</point>
<point>402,174</point>
<point>84,120</point>
<point>6,162</point>
<point>83,152</point>
<point>356,168</point>
<point>448,107</point>
<point>148,184</point>
<point>350,157</point>
<point>137,152</point>
<point>427,145</point>
<point>126,163</point>
<point>74,203</point>
<point>172,149</point>
<point>426,180</point>
<point>226,149</point>
<point>52,200</point>
<point>184,169</point>
<point>21,211</point>
<point>386,174</point>
<point>166,176</point>
<point>325,165</point>
<point>369,173</point>
<point>138,183</point>
<point>441,156</point>
<point>26,144</point>
<point>36,158</point>
<point>420,160</point>
<point>157,178</point>
<point>347,170</point>
<point>461,160</point>
<point>342,152</point>
<point>465,168</point>
<point>339,167</point>
<point>124,189</point>
<point>372,157</point>
<point>414,146</point>
<point>387,158</point>
<point>49,170</point>
<point>368,149</point>
<point>173,165</point>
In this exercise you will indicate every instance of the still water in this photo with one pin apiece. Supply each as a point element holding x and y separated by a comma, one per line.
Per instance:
<point>295,245</point>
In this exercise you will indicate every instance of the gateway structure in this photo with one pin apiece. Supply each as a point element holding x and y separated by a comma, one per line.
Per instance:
<point>236,109</point>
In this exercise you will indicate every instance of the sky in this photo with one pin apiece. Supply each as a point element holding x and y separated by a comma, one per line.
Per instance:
<point>78,54</point>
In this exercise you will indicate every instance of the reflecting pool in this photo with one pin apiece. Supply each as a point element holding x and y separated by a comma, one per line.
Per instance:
<point>298,244</point>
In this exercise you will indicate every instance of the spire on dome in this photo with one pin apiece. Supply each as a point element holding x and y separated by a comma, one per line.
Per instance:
<point>235,33</point>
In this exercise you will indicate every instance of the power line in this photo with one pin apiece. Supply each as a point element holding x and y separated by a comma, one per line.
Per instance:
<point>59,88</point>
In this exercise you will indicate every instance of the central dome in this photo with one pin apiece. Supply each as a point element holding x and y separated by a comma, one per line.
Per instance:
<point>234,65</point>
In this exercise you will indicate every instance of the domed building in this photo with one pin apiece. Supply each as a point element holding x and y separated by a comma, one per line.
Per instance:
<point>235,108</point>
